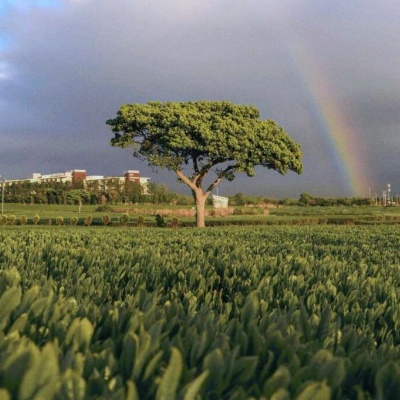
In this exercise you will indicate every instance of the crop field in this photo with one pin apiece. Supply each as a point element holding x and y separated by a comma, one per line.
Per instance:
<point>272,312</point>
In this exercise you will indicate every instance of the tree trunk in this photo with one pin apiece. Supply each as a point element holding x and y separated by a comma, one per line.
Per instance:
<point>200,200</point>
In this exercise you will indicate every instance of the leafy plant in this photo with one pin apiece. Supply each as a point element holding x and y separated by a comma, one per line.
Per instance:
<point>36,219</point>
<point>175,222</point>
<point>160,222</point>
<point>140,221</point>
<point>106,219</point>
<point>88,220</point>
<point>124,219</point>
<point>244,312</point>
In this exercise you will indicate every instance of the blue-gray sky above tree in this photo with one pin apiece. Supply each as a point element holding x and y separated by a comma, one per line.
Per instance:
<point>327,71</point>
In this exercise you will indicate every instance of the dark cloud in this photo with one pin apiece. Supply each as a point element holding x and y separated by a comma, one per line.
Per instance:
<point>67,66</point>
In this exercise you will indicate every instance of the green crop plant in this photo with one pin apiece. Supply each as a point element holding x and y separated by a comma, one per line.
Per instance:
<point>245,312</point>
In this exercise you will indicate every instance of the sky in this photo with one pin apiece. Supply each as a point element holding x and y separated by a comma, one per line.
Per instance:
<point>327,71</point>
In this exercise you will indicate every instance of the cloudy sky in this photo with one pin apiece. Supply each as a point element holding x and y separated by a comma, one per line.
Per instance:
<point>327,71</point>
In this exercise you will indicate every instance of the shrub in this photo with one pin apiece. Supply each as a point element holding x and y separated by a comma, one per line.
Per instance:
<point>102,208</point>
<point>23,220</point>
<point>124,219</point>
<point>59,220</point>
<point>12,219</point>
<point>36,219</point>
<point>74,220</point>
<point>3,220</point>
<point>105,219</point>
<point>88,220</point>
<point>160,222</point>
<point>140,221</point>
<point>175,222</point>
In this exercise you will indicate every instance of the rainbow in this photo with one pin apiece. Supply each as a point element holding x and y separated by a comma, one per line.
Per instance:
<point>343,140</point>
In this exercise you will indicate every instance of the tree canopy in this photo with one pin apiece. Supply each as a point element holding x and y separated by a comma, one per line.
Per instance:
<point>204,135</point>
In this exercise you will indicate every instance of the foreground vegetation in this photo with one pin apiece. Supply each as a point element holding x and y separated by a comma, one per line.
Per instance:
<point>272,312</point>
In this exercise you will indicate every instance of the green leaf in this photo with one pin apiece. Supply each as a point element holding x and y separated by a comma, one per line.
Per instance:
<point>334,372</point>
<point>279,380</point>
<point>143,347</point>
<point>321,356</point>
<point>19,324</point>
<point>214,362</point>
<point>152,365</point>
<point>17,364</point>
<point>28,298</point>
<point>131,391</point>
<point>280,394</point>
<point>194,387</point>
<point>127,358</point>
<point>73,386</point>
<point>387,381</point>
<point>244,369</point>
<point>315,391</point>
<point>170,379</point>
<point>4,395</point>
<point>42,378</point>
<point>250,308</point>
<point>324,324</point>
<point>9,301</point>
<point>79,334</point>
<point>304,323</point>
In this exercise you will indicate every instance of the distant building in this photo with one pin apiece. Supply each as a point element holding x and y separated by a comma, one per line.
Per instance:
<point>79,175</point>
<point>68,176</point>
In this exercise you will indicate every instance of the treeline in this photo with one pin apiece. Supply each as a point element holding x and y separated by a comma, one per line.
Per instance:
<point>308,200</point>
<point>154,193</point>
<point>89,193</point>
<point>305,199</point>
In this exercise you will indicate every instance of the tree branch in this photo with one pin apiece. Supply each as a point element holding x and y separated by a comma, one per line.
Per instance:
<point>185,179</point>
<point>195,164</point>
<point>204,171</point>
<point>220,177</point>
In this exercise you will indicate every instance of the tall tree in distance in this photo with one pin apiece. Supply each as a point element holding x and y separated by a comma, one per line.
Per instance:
<point>203,137</point>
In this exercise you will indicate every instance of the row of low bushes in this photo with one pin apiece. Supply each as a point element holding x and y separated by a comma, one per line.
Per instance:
<point>105,220</point>
<point>161,221</point>
<point>188,212</point>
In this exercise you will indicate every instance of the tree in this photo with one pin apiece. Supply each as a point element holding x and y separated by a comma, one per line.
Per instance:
<point>305,199</point>
<point>207,137</point>
<point>78,196</point>
<point>133,191</point>
<point>159,194</point>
